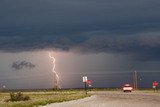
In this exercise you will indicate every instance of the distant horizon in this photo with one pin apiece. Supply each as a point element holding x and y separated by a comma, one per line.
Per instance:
<point>142,81</point>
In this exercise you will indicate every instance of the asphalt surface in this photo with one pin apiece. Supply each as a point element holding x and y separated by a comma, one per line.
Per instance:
<point>114,99</point>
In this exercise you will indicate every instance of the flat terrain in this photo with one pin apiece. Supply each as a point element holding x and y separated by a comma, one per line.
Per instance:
<point>114,99</point>
<point>41,98</point>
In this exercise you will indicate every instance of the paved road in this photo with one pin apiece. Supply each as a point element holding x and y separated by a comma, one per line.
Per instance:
<point>114,99</point>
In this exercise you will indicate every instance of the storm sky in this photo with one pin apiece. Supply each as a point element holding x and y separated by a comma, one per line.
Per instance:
<point>107,40</point>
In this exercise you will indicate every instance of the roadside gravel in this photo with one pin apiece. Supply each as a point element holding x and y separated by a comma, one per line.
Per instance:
<point>114,99</point>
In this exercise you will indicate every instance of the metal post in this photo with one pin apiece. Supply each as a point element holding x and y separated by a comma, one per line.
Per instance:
<point>136,76</point>
<point>85,87</point>
<point>135,80</point>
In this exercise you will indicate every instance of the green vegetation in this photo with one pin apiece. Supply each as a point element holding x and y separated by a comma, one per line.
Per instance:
<point>34,99</point>
<point>18,97</point>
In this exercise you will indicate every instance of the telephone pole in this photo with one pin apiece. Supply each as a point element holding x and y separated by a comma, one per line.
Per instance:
<point>135,80</point>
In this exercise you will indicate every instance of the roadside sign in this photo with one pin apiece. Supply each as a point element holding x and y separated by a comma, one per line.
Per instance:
<point>85,83</point>
<point>90,85</point>
<point>155,86</point>
<point>155,83</point>
<point>89,82</point>
<point>84,78</point>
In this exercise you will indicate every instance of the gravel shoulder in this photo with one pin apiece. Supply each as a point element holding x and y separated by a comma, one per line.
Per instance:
<point>114,99</point>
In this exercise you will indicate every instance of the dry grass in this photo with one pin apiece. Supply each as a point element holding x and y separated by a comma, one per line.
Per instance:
<point>42,98</point>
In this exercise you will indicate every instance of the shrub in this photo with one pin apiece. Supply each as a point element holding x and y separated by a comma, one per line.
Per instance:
<point>18,97</point>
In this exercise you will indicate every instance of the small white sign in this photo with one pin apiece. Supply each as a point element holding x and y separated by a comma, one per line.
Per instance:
<point>90,85</point>
<point>84,78</point>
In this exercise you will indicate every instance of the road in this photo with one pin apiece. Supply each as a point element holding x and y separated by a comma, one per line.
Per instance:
<point>114,99</point>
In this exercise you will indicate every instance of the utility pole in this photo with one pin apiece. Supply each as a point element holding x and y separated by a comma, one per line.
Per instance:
<point>135,80</point>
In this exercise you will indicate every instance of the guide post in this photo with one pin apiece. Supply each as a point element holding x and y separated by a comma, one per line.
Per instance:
<point>85,83</point>
<point>155,86</point>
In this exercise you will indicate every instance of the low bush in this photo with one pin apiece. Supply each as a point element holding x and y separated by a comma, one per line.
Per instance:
<point>18,97</point>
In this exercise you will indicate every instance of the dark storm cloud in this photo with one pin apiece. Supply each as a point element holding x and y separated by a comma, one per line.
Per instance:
<point>85,26</point>
<point>18,65</point>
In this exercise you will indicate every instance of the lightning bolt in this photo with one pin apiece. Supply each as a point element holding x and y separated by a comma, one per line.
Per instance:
<point>53,69</point>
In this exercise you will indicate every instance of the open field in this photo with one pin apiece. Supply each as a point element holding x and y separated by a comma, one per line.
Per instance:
<point>42,98</point>
<point>105,97</point>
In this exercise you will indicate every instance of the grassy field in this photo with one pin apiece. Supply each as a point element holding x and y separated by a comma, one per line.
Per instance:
<point>42,98</point>
<point>39,97</point>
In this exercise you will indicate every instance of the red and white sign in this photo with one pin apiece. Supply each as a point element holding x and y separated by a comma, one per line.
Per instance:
<point>89,82</point>
<point>155,83</point>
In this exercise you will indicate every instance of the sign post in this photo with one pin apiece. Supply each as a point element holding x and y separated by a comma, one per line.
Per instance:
<point>155,86</point>
<point>89,82</point>
<point>85,83</point>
